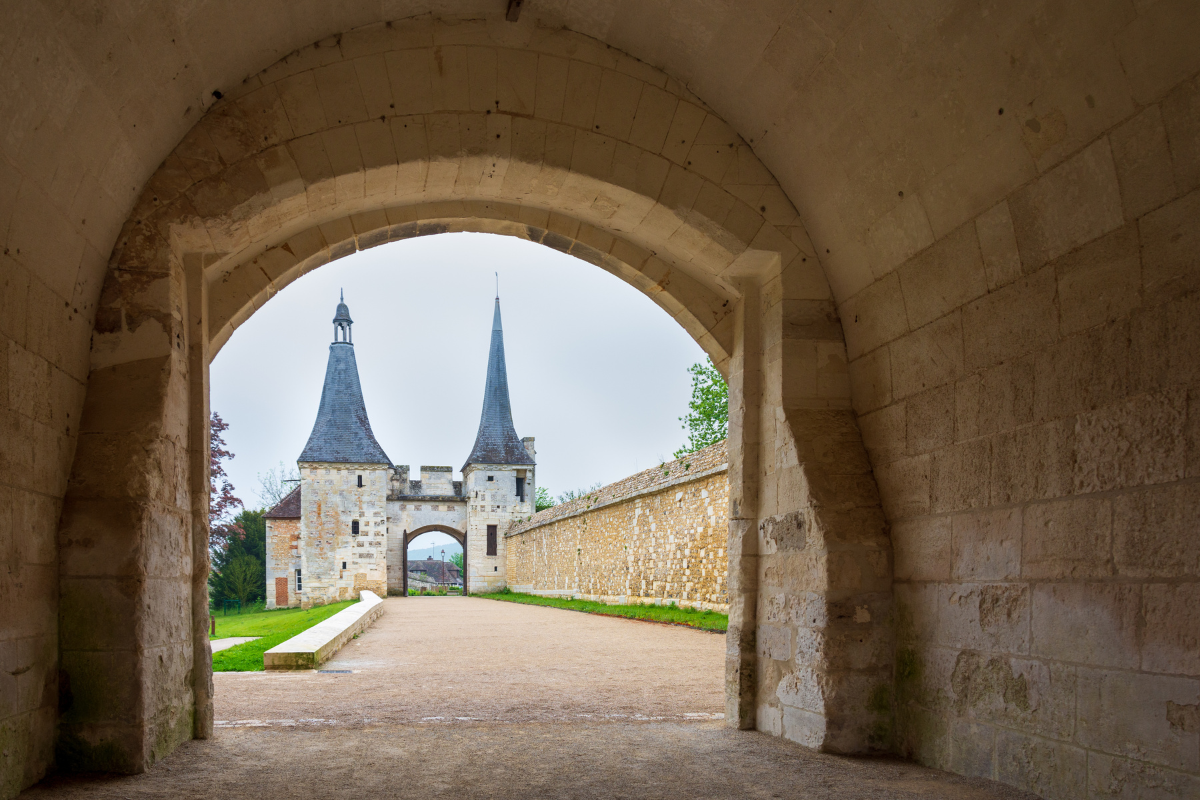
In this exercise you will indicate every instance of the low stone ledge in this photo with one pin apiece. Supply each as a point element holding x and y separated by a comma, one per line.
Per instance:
<point>315,646</point>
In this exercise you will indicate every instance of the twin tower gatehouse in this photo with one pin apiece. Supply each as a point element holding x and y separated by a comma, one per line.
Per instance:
<point>347,525</point>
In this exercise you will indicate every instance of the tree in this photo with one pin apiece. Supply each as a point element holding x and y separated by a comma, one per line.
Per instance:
<point>542,500</point>
<point>707,420</point>
<point>244,579</point>
<point>457,560</point>
<point>221,499</point>
<point>245,537</point>
<point>276,484</point>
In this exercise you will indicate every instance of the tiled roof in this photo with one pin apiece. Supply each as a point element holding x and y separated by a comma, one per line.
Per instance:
<point>342,432</point>
<point>433,568</point>
<point>287,508</point>
<point>497,442</point>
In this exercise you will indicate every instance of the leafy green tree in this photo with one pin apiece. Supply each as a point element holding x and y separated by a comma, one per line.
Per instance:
<point>246,536</point>
<point>707,420</point>
<point>542,500</point>
<point>457,560</point>
<point>244,578</point>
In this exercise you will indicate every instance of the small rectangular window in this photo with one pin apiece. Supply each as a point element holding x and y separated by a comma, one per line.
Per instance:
<point>360,481</point>
<point>354,528</point>
<point>298,581</point>
<point>491,477</point>
<point>343,565</point>
<point>521,489</point>
<point>491,540</point>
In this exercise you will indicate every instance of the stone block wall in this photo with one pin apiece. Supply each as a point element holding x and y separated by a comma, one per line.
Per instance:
<point>657,536</point>
<point>1030,396</point>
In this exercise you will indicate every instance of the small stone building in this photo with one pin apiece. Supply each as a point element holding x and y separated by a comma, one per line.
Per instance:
<point>347,526</point>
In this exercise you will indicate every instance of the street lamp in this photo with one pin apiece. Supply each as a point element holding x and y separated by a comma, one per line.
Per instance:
<point>443,579</point>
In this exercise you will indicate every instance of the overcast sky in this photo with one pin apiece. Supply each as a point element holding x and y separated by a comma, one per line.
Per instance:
<point>596,371</point>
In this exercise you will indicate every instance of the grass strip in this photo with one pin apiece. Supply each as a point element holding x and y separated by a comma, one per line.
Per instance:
<point>275,627</point>
<point>672,614</point>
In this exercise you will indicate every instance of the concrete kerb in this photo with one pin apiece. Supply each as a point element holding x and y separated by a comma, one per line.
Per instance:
<point>313,647</point>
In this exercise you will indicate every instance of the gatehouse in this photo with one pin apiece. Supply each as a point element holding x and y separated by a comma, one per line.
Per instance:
<point>347,525</point>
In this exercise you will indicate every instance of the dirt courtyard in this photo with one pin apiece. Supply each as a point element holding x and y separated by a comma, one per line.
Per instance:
<point>470,698</point>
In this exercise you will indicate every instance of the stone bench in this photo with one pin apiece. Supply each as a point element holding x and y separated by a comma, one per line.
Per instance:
<point>315,646</point>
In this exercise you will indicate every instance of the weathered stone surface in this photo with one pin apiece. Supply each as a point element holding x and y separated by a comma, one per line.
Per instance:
<point>1011,321</point>
<point>945,277</point>
<point>1070,205</point>
<point>1143,524</point>
<point>922,549</point>
<point>1067,539</point>
<point>1170,244</point>
<point>1148,717</point>
<point>1132,443</point>
<point>1143,162</point>
<point>986,545</point>
<point>1088,623</point>
<point>1171,642</point>
<point>1042,766</point>
<point>998,245</point>
<point>991,617</point>
<point>1100,282</point>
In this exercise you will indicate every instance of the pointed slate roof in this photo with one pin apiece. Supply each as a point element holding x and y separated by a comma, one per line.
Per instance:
<point>342,432</point>
<point>497,442</point>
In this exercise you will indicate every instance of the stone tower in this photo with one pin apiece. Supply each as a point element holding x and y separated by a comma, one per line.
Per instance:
<point>344,482</point>
<point>498,476</point>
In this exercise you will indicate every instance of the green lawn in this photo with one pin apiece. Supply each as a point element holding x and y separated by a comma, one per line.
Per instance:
<point>275,627</point>
<point>705,620</point>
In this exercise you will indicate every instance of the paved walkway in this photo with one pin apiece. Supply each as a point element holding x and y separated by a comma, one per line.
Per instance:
<point>230,641</point>
<point>468,698</point>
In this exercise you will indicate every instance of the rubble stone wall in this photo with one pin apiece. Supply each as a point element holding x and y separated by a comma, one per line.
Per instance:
<point>655,537</point>
<point>331,502</point>
<point>283,559</point>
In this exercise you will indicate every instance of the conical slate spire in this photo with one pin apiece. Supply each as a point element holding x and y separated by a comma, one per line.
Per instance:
<point>497,442</point>
<point>342,432</point>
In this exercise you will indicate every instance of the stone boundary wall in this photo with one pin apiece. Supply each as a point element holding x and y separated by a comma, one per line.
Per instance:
<point>654,537</point>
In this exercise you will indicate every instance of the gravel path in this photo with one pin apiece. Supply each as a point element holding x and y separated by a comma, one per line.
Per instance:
<point>463,659</point>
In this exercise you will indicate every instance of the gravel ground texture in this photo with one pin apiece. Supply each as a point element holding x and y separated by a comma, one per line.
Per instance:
<point>467,698</point>
<point>464,659</point>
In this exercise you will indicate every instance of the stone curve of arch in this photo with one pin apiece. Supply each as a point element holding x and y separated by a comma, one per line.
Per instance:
<point>287,174</point>
<point>460,536</point>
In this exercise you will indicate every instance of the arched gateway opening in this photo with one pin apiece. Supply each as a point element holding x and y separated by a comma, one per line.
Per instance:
<point>441,575</point>
<point>392,132</point>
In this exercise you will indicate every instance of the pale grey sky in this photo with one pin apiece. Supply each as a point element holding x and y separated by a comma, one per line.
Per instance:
<point>597,372</point>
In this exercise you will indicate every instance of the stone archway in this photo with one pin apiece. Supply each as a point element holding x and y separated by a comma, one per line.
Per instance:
<point>459,536</point>
<point>578,148</point>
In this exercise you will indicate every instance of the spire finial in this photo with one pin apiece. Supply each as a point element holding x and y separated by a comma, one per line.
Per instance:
<point>341,295</point>
<point>497,287</point>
